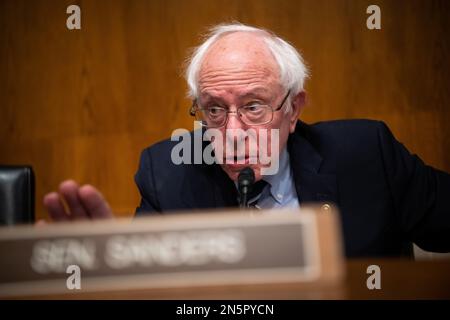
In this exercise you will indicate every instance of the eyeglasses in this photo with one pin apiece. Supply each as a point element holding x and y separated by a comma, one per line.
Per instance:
<point>252,115</point>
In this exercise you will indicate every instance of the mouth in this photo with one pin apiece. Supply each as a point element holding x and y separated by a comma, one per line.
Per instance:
<point>237,162</point>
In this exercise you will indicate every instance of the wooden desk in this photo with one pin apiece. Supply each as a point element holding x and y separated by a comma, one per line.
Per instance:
<point>400,279</point>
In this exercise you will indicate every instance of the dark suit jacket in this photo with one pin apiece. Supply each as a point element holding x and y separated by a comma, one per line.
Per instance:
<point>387,197</point>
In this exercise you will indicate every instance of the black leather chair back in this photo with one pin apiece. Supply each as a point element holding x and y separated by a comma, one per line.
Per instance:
<point>16,195</point>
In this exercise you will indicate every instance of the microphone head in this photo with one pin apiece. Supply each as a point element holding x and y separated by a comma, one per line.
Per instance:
<point>246,177</point>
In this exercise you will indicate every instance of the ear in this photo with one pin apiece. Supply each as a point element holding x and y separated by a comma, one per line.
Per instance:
<point>297,104</point>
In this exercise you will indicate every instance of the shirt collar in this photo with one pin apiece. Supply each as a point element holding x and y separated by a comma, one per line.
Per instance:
<point>279,181</point>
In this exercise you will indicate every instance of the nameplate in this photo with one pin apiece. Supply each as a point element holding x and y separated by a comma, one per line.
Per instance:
<point>217,248</point>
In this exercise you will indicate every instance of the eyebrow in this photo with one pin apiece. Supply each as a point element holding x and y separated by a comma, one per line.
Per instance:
<point>257,93</point>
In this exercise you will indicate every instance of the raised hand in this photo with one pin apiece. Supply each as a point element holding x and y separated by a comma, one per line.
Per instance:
<point>84,202</point>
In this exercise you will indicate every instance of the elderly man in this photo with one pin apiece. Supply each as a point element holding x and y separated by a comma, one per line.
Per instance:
<point>247,78</point>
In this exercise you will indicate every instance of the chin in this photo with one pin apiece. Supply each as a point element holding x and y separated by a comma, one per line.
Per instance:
<point>233,170</point>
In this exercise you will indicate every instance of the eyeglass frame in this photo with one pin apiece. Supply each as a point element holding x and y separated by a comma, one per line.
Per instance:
<point>194,108</point>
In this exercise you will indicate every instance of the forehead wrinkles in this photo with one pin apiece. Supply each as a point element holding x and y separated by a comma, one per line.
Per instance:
<point>221,79</point>
<point>238,59</point>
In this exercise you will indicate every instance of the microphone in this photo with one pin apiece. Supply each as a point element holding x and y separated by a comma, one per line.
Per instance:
<point>246,179</point>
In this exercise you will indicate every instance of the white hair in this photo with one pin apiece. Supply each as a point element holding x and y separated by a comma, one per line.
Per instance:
<point>293,71</point>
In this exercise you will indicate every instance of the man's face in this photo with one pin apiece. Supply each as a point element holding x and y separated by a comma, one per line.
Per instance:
<point>239,70</point>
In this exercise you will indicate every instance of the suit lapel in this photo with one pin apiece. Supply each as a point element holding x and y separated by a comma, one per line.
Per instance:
<point>206,186</point>
<point>311,185</point>
<point>224,189</point>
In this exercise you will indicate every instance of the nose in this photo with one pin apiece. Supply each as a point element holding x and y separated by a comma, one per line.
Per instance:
<point>234,121</point>
<point>235,128</point>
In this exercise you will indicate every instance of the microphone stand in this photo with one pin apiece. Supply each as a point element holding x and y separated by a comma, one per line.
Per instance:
<point>246,179</point>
